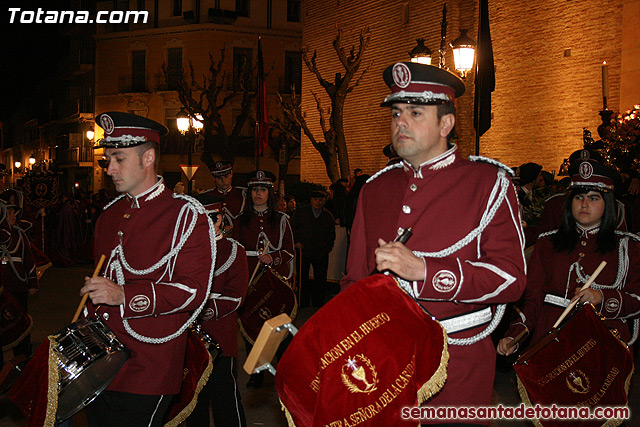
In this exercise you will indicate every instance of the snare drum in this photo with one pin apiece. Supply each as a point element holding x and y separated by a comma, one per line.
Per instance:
<point>270,296</point>
<point>581,363</point>
<point>89,356</point>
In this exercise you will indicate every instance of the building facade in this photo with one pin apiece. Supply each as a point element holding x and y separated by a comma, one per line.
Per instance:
<point>548,60</point>
<point>136,67</point>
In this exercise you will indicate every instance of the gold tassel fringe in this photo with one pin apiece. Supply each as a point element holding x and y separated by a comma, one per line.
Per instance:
<point>439,377</point>
<point>184,414</point>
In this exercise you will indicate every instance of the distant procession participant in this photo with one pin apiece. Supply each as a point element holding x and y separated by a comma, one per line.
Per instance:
<point>266,235</point>
<point>235,197</point>
<point>314,232</point>
<point>18,273</point>
<point>466,252</point>
<point>219,320</point>
<point>160,249</point>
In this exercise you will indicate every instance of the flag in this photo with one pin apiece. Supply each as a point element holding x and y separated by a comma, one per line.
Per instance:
<point>262,116</point>
<point>485,73</point>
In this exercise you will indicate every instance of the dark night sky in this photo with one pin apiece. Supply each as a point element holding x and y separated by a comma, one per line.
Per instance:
<point>29,55</point>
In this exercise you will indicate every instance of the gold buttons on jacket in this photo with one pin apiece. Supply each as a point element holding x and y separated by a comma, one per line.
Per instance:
<point>583,243</point>
<point>127,216</point>
<point>413,187</point>
<point>406,209</point>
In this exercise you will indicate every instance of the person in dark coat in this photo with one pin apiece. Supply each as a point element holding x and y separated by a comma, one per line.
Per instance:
<point>314,233</point>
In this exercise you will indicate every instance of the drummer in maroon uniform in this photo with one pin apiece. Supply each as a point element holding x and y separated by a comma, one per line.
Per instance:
<point>219,321</point>
<point>160,261</point>
<point>18,274</point>
<point>564,258</point>
<point>265,233</point>
<point>465,255</point>
<point>234,197</point>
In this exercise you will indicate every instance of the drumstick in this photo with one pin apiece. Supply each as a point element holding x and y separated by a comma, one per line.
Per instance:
<point>83,301</point>
<point>517,338</point>
<point>255,270</point>
<point>586,285</point>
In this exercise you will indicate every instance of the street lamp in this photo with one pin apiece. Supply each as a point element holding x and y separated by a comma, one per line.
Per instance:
<point>90,134</point>
<point>420,53</point>
<point>186,125</point>
<point>32,160</point>
<point>463,53</point>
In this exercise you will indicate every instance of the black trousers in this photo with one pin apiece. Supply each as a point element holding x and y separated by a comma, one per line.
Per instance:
<point>221,392</point>
<point>114,408</point>
<point>315,290</point>
<point>23,347</point>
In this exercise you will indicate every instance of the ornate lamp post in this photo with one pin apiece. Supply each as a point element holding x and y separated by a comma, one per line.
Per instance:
<point>192,126</point>
<point>463,49</point>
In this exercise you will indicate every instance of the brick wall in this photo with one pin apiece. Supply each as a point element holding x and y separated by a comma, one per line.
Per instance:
<point>548,58</point>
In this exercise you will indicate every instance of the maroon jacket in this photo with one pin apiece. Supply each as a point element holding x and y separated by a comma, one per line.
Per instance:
<point>229,288</point>
<point>466,226</point>
<point>17,264</point>
<point>254,235</point>
<point>165,280</point>
<point>558,274</point>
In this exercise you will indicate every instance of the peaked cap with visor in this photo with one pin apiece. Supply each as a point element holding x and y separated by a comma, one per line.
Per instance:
<point>413,83</point>
<point>123,130</point>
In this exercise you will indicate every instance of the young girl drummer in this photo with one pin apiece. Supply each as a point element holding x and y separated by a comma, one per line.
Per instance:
<point>563,260</point>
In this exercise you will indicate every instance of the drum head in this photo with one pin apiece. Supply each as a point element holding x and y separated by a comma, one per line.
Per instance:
<point>89,384</point>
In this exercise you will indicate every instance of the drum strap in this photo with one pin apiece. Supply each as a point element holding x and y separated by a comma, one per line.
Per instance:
<point>556,300</point>
<point>467,321</point>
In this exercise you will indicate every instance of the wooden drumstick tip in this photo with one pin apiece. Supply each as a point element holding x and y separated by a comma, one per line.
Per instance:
<point>586,285</point>
<point>517,338</point>
<point>83,301</point>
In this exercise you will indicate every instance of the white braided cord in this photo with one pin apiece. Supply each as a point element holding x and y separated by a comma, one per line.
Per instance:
<point>118,260</point>
<point>383,170</point>
<point>487,217</point>
<point>493,204</point>
<point>224,267</point>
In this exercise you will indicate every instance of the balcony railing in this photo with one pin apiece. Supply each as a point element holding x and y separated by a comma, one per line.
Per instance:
<point>74,156</point>
<point>163,85</point>
<point>132,84</point>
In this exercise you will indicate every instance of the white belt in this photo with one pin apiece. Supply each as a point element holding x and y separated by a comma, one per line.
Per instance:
<point>556,300</point>
<point>467,321</point>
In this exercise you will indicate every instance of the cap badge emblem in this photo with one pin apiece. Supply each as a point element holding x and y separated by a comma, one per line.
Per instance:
<point>260,175</point>
<point>401,75</point>
<point>586,170</point>
<point>106,123</point>
<point>584,155</point>
<point>219,165</point>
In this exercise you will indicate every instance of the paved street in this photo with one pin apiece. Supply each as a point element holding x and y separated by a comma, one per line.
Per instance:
<point>53,307</point>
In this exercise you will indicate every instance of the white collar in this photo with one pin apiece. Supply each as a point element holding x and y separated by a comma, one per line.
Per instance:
<point>151,193</point>
<point>439,162</point>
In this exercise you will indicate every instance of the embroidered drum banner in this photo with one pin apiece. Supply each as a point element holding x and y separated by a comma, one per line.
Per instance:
<point>584,366</point>
<point>361,358</point>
